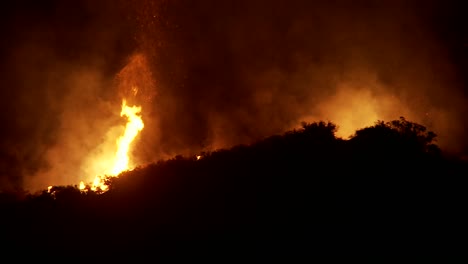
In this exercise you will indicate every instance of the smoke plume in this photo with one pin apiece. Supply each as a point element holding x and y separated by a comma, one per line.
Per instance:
<point>211,74</point>
<point>231,72</point>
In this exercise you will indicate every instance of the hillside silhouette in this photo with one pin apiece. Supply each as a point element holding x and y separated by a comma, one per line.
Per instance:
<point>388,189</point>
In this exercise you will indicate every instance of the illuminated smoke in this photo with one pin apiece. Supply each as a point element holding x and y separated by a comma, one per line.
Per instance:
<point>212,74</point>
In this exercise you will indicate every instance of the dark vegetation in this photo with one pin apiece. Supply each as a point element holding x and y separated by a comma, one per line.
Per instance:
<point>387,190</point>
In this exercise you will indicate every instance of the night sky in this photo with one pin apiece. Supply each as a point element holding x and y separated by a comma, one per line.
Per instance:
<point>212,74</point>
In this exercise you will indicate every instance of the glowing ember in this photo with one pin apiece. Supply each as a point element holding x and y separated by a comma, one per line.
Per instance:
<point>198,157</point>
<point>82,186</point>
<point>49,188</point>
<point>121,159</point>
<point>99,183</point>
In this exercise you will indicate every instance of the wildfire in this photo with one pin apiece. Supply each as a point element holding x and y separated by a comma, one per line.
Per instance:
<point>121,160</point>
<point>82,186</point>
<point>106,154</point>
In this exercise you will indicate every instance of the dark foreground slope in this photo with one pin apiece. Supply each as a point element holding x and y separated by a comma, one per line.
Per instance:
<point>388,190</point>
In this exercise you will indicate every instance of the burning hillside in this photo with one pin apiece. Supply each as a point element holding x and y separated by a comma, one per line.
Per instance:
<point>209,74</point>
<point>118,163</point>
<point>303,192</point>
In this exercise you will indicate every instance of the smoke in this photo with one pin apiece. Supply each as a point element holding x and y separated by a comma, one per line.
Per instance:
<point>231,72</point>
<point>211,74</point>
<point>59,61</point>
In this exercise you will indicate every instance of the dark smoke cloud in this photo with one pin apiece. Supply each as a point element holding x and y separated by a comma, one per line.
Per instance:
<point>212,74</point>
<point>232,71</point>
<point>58,61</point>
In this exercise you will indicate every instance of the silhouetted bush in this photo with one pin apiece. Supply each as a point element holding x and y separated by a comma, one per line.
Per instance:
<point>387,189</point>
<point>398,139</point>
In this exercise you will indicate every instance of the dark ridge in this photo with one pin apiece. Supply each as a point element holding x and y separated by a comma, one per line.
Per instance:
<point>389,190</point>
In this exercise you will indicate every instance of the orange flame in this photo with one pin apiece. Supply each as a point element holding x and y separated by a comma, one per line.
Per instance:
<point>134,126</point>
<point>121,160</point>
<point>111,157</point>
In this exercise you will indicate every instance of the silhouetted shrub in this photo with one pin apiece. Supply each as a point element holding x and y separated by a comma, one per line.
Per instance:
<point>359,195</point>
<point>396,139</point>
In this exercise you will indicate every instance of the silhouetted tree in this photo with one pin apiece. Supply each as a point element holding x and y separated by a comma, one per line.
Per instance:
<point>415,134</point>
<point>304,185</point>
<point>319,130</point>
<point>395,139</point>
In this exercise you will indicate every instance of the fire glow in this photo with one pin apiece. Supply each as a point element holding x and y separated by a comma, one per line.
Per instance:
<point>121,158</point>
